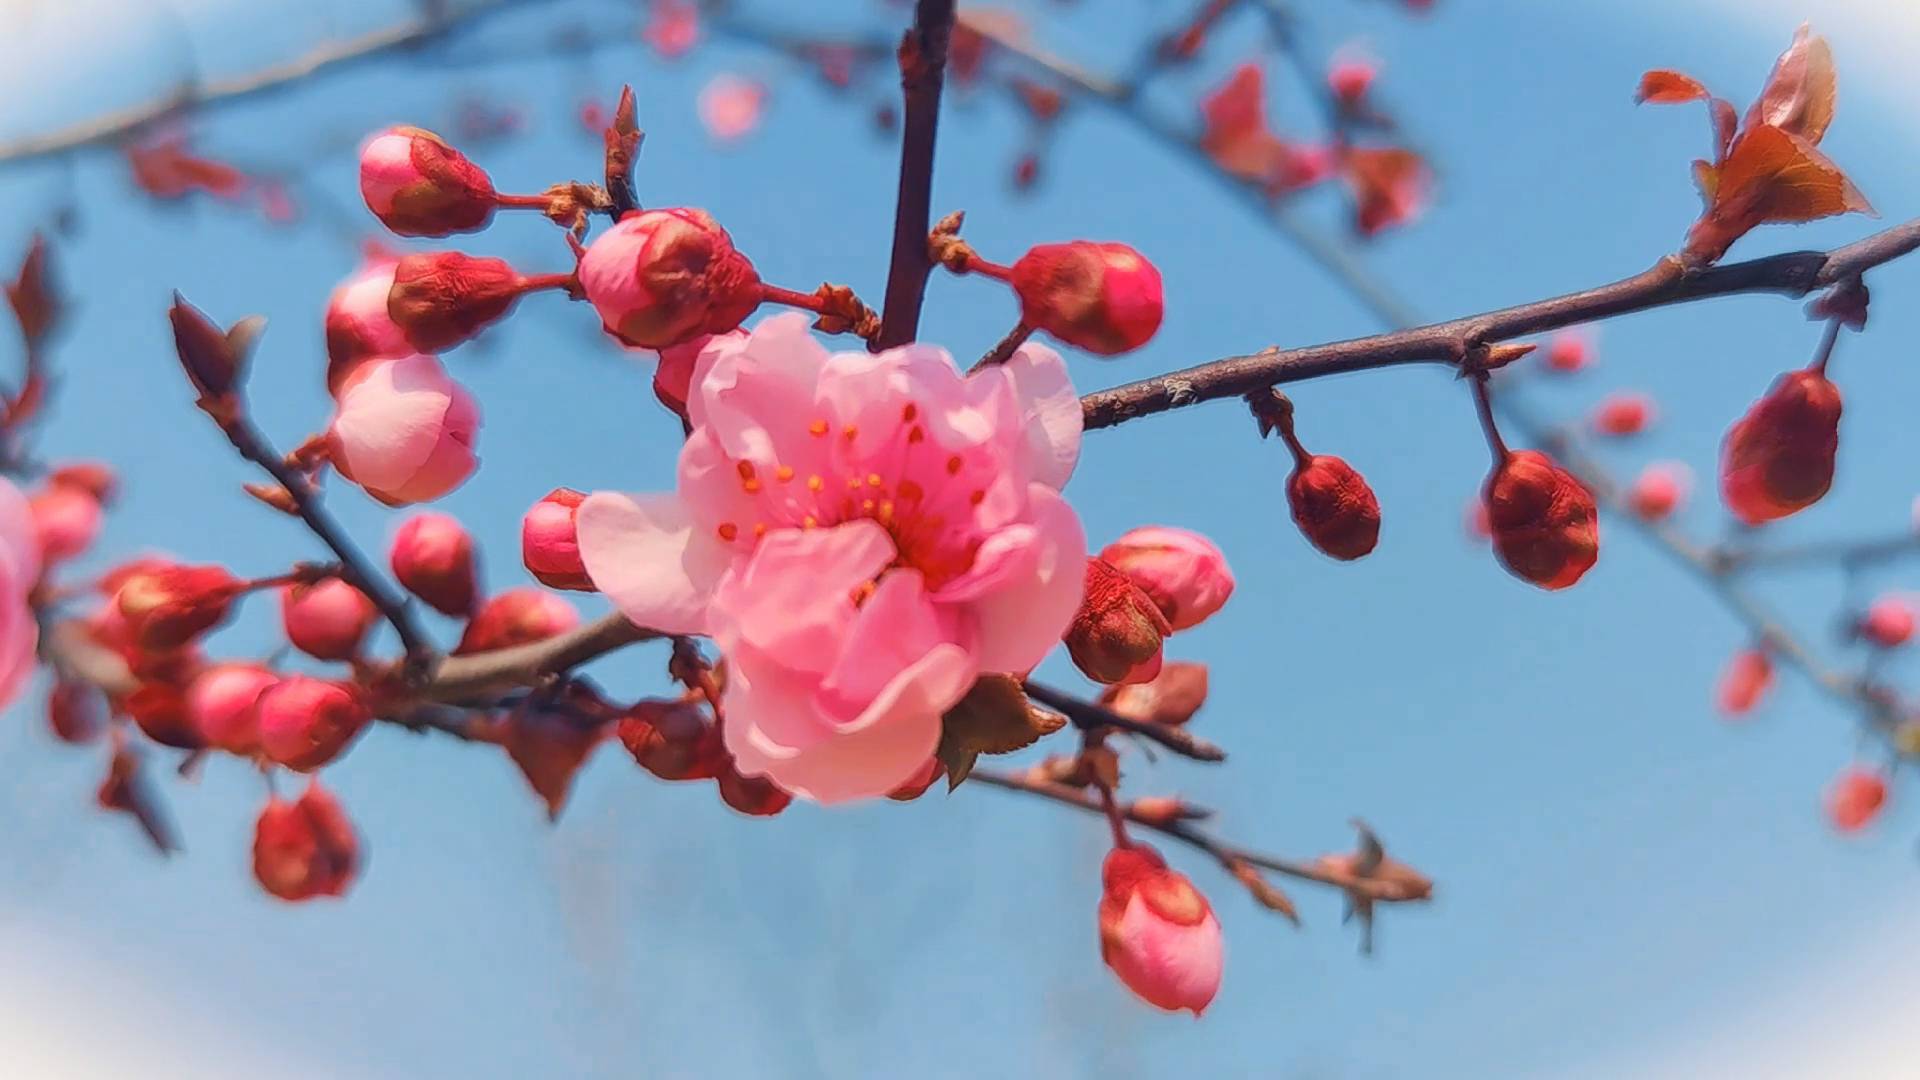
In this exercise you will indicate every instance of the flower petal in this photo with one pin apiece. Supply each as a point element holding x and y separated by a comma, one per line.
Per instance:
<point>1038,589</point>
<point>1052,410</point>
<point>896,627</point>
<point>792,599</point>
<point>645,553</point>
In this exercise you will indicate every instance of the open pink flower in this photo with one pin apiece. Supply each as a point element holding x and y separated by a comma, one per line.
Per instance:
<point>404,430</point>
<point>862,535</point>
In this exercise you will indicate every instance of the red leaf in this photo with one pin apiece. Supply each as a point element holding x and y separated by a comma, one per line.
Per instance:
<point>31,294</point>
<point>1669,88</point>
<point>1389,186</point>
<point>1771,176</point>
<point>549,745</point>
<point>127,790</point>
<point>1799,95</point>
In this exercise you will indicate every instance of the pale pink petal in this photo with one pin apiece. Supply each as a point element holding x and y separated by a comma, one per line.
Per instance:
<point>793,600</point>
<point>1171,965</point>
<point>645,553</point>
<point>18,538</point>
<point>1052,410</point>
<point>896,627</point>
<point>755,399</point>
<point>390,419</point>
<point>1020,622</point>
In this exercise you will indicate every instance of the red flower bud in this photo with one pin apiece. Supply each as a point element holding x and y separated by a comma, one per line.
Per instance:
<point>1855,799</point>
<point>1116,634</point>
<point>517,617</point>
<point>305,848</point>
<point>672,740</point>
<point>1778,458</point>
<point>1748,677</point>
<point>1888,622</point>
<point>1545,526</point>
<point>432,557</point>
<point>328,619</point>
<point>1104,298</point>
<point>66,519</point>
<point>92,477</point>
<point>443,298</point>
<point>167,605</point>
<point>1623,414</point>
<point>221,706</point>
<point>306,723</point>
<point>159,708</point>
<point>1568,352</point>
<point>417,185</point>
<point>1659,490</point>
<point>755,796</point>
<point>1334,507</point>
<point>663,277</point>
<point>76,711</point>
<point>1184,573</point>
<point>549,545</point>
<point>1349,80</point>
<point>1157,932</point>
<point>1171,697</point>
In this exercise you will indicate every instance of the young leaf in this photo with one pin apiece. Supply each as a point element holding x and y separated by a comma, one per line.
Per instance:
<point>1799,95</point>
<point>1669,88</point>
<point>31,295</point>
<point>1771,176</point>
<point>994,718</point>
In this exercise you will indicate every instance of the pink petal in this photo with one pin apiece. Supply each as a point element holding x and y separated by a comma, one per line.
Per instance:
<point>19,540</point>
<point>1052,410</point>
<point>896,627</point>
<point>390,419</point>
<point>645,553</point>
<point>792,600</point>
<point>1021,620</point>
<point>1172,966</point>
<point>742,385</point>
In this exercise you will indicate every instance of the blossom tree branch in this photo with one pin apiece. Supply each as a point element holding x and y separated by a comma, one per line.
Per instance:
<point>923,66</point>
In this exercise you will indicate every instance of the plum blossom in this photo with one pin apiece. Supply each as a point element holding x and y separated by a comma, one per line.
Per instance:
<point>19,571</point>
<point>862,535</point>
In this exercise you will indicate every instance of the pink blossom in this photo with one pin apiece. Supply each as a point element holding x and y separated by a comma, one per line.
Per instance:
<point>1157,932</point>
<point>673,26</point>
<point>358,326</point>
<point>1184,573</point>
<point>20,564</point>
<point>862,535</point>
<point>404,430</point>
<point>730,106</point>
<point>220,705</point>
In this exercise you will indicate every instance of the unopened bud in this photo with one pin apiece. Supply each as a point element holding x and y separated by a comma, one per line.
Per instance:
<point>1545,526</point>
<point>517,617</point>
<point>663,277</point>
<point>1778,458</point>
<point>432,557</point>
<point>306,723</point>
<point>328,619</point>
<point>1104,298</point>
<point>1117,633</point>
<point>417,185</point>
<point>550,544</point>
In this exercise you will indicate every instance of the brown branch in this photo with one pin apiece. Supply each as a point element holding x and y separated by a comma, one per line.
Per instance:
<point>1224,853</point>
<point>475,678</point>
<point>1088,716</point>
<point>331,57</point>
<point>1792,274</point>
<point>923,67</point>
<point>354,567</point>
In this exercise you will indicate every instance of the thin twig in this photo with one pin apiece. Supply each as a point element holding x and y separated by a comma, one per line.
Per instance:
<point>1088,716</point>
<point>923,67</point>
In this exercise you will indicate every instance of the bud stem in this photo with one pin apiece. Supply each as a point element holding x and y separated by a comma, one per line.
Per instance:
<point>774,294</point>
<point>1004,350</point>
<point>1116,818</point>
<point>535,282</point>
<point>522,202</point>
<point>1483,404</point>
<point>1825,352</point>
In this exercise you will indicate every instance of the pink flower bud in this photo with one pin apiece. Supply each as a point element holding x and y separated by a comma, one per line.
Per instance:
<point>66,519</point>
<point>1115,636</point>
<point>167,606</point>
<point>417,185</point>
<point>1623,414</point>
<point>1856,798</point>
<point>549,545</point>
<point>77,711</point>
<point>1184,573</point>
<point>358,326</point>
<point>1349,80</point>
<point>443,298</point>
<point>1569,351</point>
<point>432,557</point>
<point>1104,298</point>
<point>328,619</point>
<point>92,477</point>
<point>305,848</point>
<point>1745,682</point>
<point>158,707</point>
<point>220,706</point>
<point>664,277</point>
<point>404,430</point>
<point>306,723</point>
<point>1659,490</point>
<point>517,617</point>
<point>1157,932</point>
<point>1888,622</point>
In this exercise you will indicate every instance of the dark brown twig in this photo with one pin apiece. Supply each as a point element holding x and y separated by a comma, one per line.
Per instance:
<point>1088,716</point>
<point>923,66</point>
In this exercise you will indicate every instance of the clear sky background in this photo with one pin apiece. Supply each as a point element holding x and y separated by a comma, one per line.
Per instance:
<point>1626,885</point>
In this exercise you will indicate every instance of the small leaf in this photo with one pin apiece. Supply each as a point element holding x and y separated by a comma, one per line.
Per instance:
<point>993,718</point>
<point>1800,92</point>
<point>1669,88</point>
<point>31,294</point>
<point>549,745</point>
<point>1265,892</point>
<point>1771,176</point>
<point>205,351</point>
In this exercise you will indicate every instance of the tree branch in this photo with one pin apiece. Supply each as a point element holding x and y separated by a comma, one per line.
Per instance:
<point>1088,716</point>
<point>474,679</point>
<point>923,67</point>
<point>1793,274</point>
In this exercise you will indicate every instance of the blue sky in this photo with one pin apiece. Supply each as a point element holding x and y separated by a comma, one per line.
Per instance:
<point>1626,885</point>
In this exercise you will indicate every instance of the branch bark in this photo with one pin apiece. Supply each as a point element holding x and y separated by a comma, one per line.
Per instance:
<point>1792,274</point>
<point>923,67</point>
